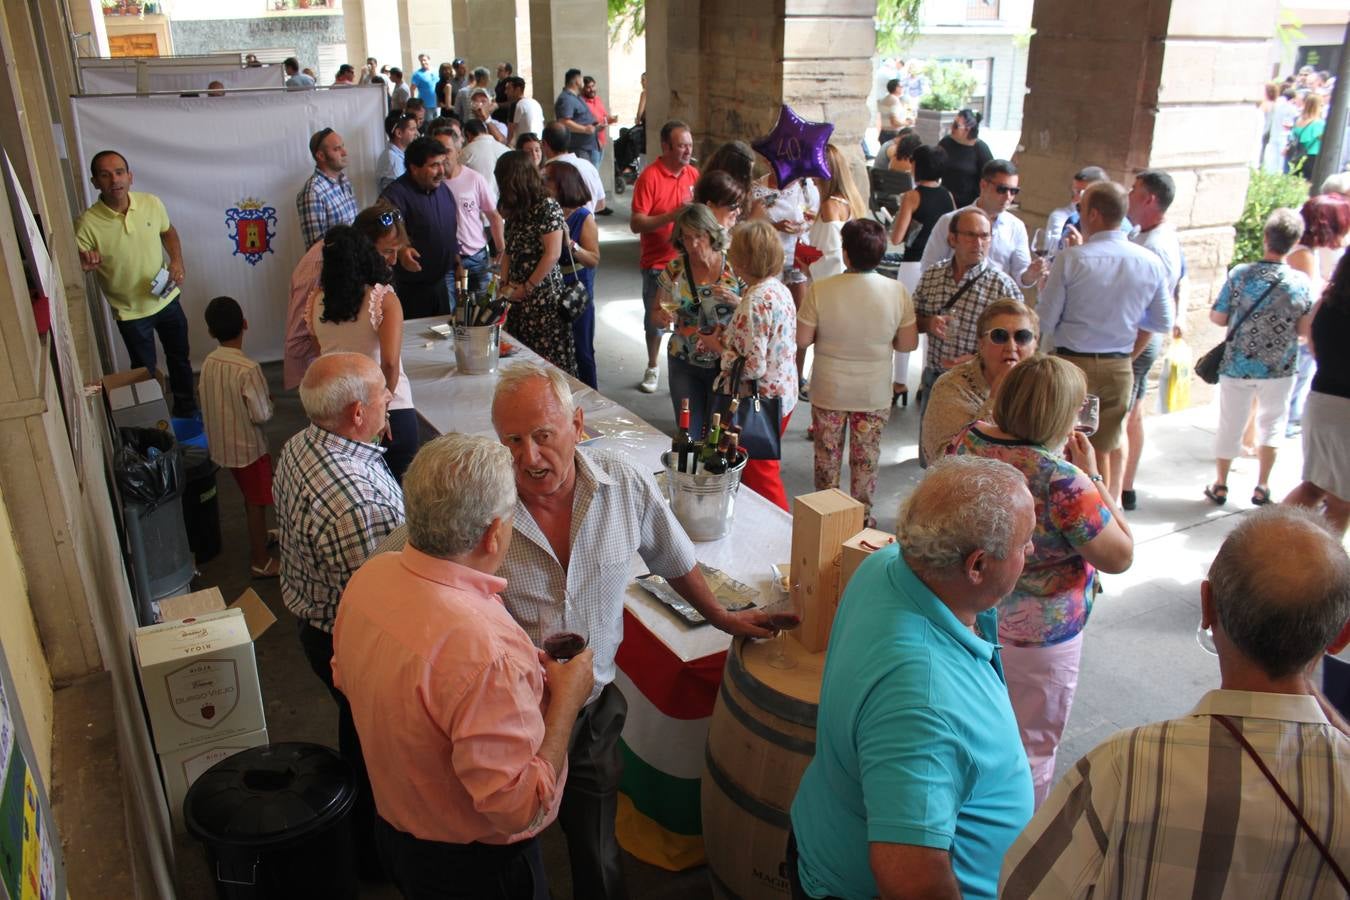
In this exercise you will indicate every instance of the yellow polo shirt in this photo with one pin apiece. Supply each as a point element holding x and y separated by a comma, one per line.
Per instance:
<point>132,252</point>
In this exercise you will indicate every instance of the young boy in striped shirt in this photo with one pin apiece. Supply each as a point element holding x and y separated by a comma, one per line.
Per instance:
<point>235,403</point>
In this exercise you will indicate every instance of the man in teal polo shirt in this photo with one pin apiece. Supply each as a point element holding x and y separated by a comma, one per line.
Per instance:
<point>919,783</point>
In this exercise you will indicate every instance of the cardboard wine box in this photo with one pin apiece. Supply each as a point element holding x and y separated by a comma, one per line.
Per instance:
<point>182,767</point>
<point>198,673</point>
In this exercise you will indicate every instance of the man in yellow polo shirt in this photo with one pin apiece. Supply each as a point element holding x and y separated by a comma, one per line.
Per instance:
<point>123,238</point>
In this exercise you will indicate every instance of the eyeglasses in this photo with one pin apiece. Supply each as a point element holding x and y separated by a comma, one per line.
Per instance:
<point>1021,336</point>
<point>1007,190</point>
<point>388,219</point>
<point>980,236</point>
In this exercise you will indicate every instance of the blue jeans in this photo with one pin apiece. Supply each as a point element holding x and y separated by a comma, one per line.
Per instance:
<point>649,292</point>
<point>1303,375</point>
<point>399,452</point>
<point>583,335</point>
<point>695,384</point>
<point>172,327</point>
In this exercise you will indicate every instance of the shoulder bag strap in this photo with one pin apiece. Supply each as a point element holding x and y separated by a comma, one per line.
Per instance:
<point>1303,823</point>
<point>1232,332</point>
<point>962,290</point>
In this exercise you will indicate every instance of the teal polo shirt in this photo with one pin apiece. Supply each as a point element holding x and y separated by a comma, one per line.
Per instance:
<point>916,741</point>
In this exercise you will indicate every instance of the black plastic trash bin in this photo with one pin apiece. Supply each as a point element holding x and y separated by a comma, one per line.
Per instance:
<point>276,823</point>
<point>201,506</point>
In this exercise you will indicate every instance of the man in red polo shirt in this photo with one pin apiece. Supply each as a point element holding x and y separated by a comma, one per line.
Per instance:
<point>661,190</point>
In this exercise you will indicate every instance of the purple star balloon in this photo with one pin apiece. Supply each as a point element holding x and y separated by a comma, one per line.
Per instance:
<point>796,148</point>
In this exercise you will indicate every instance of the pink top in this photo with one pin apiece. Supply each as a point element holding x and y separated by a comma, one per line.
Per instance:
<point>447,693</point>
<point>301,347</point>
<point>360,335</point>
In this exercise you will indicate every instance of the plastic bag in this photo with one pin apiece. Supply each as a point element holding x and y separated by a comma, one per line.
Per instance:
<point>149,467</point>
<point>1174,386</point>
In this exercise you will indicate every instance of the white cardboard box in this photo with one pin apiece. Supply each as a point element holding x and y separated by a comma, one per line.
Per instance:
<point>182,767</point>
<point>198,672</point>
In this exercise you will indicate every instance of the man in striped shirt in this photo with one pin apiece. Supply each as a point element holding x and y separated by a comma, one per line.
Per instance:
<point>1182,808</point>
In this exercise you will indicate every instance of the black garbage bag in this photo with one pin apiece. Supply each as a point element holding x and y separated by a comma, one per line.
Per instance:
<point>149,467</point>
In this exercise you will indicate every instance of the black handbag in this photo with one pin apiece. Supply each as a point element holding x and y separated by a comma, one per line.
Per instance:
<point>759,418</point>
<point>1207,366</point>
<point>574,296</point>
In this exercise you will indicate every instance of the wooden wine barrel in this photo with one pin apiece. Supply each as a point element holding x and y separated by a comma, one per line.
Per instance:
<point>760,739</point>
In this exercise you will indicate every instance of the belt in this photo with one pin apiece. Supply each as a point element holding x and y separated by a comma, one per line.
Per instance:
<point>1061,351</point>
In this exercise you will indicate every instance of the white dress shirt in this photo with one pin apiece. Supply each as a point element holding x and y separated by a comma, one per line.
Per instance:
<point>1163,241</point>
<point>1100,294</point>
<point>481,155</point>
<point>1009,249</point>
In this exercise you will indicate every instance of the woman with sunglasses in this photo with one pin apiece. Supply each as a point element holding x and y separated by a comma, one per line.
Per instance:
<point>1078,532</point>
<point>855,319</point>
<point>966,156</point>
<point>965,393</point>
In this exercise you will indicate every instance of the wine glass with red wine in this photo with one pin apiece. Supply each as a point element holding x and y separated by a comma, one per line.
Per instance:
<point>564,633</point>
<point>1089,415</point>
<point>785,614</point>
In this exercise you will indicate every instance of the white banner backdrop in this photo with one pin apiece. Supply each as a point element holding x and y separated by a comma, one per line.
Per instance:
<point>108,80</point>
<point>228,170</point>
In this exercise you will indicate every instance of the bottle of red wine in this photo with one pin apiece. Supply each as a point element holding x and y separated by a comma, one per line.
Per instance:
<point>733,449</point>
<point>683,446</point>
<point>710,443</point>
<point>717,463</point>
<point>731,427</point>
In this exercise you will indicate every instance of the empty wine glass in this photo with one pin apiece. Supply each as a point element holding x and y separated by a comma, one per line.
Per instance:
<point>562,630</point>
<point>1205,638</point>
<point>1089,415</point>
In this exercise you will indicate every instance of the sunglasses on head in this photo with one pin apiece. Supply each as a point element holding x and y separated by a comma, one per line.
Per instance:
<point>1021,336</point>
<point>388,219</point>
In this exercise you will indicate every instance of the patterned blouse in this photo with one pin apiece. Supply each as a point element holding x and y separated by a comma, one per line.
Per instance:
<point>1266,345</point>
<point>707,310</point>
<point>1053,598</point>
<point>764,330</point>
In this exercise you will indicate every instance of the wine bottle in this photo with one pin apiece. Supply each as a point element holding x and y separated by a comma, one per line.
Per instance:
<point>683,445</point>
<point>717,463</point>
<point>731,427</point>
<point>710,442</point>
<point>733,449</point>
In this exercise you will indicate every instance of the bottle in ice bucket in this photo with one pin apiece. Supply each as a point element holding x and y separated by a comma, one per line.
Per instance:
<point>724,456</point>
<point>683,447</point>
<point>709,448</point>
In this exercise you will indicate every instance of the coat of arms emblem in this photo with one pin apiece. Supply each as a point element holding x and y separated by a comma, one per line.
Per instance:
<point>251,226</point>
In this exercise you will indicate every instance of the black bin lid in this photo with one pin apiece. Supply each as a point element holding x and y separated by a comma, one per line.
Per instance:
<point>269,795</point>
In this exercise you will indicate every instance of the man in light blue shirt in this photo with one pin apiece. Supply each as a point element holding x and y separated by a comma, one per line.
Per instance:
<point>919,781</point>
<point>1101,304</point>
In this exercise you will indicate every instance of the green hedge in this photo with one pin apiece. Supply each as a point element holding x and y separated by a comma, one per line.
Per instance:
<point>1265,193</point>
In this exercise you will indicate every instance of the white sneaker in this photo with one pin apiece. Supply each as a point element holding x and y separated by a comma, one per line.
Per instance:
<point>649,379</point>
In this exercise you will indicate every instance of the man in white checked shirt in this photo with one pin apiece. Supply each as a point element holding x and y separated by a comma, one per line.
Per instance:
<point>553,561</point>
<point>1182,808</point>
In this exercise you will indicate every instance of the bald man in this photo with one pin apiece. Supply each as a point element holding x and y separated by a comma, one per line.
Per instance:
<point>335,500</point>
<point>1277,597</point>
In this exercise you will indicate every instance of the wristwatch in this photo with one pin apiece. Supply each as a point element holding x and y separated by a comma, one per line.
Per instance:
<point>1096,479</point>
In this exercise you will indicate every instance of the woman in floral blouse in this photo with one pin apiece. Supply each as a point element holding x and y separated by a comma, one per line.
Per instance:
<point>1078,532</point>
<point>763,329</point>
<point>698,292</point>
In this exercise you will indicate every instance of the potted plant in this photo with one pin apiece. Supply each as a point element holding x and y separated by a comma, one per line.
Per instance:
<point>949,87</point>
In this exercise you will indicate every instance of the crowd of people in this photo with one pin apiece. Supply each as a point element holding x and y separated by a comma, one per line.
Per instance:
<point>930,761</point>
<point>1293,121</point>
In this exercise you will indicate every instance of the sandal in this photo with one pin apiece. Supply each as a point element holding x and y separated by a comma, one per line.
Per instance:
<point>1218,493</point>
<point>1260,495</point>
<point>270,569</point>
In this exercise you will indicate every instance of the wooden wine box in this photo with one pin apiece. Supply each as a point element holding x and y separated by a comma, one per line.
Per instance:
<point>821,522</point>
<point>856,549</point>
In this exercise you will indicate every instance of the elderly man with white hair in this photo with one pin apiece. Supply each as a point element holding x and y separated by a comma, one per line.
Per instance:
<point>580,517</point>
<point>919,782</point>
<point>465,756</point>
<point>335,500</point>
<point>1247,795</point>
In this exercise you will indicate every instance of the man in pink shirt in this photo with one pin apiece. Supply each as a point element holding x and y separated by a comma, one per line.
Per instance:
<point>662,189</point>
<point>476,206</point>
<point>466,760</point>
<point>381,223</point>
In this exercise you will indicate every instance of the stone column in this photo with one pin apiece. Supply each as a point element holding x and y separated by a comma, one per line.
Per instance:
<point>425,26</point>
<point>486,32</point>
<point>1160,84</point>
<point>566,34</point>
<point>728,80</point>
